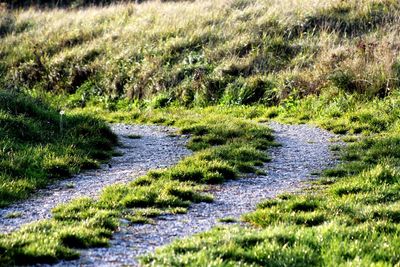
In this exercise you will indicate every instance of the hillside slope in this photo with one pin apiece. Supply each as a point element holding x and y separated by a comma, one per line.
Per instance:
<point>203,52</point>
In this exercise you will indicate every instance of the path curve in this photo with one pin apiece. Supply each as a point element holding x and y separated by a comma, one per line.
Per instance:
<point>304,150</point>
<point>157,148</point>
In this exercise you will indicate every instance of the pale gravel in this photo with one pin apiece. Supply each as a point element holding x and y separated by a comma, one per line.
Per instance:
<point>158,147</point>
<point>304,152</point>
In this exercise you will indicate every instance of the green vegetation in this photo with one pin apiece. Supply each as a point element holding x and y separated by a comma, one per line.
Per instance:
<point>226,147</point>
<point>350,217</point>
<point>38,145</point>
<point>15,214</point>
<point>227,220</point>
<point>134,136</point>
<point>333,63</point>
<point>197,53</point>
<point>14,4</point>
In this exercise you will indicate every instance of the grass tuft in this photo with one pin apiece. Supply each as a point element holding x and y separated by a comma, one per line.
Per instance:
<point>36,151</point>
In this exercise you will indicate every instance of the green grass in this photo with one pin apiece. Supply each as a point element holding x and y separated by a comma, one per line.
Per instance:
<point>351,217</point>
<point>134,136</point>
<point>199,53</point>
<point>35,150</point>
<point>228,220</point>
<point>225,147</point>
<point>12,215</point>
<point>332,63</point>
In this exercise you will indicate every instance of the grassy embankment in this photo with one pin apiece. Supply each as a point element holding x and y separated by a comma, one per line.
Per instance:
<point>39,147</point>
<point>203,52</point>
<point>227,52</point>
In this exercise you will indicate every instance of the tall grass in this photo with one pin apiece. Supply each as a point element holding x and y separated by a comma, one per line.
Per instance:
<point>203,52</point>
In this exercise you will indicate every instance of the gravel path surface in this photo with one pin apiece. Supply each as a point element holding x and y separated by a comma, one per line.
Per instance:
<point>155,149</point>
<point>304,150</point>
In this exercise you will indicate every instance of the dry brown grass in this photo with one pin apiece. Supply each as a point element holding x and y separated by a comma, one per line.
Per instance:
<point>192,51</point>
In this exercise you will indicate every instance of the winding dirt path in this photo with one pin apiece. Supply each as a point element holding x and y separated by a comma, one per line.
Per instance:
<point>156,148</point>
<point>304,150</point>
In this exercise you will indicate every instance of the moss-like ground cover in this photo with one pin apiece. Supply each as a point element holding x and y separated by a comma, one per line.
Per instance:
<point>38,145</point>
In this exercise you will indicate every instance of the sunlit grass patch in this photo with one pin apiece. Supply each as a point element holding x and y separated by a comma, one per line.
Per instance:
<point>87,222</point>
<point>46,241</point>
<point>350,216</point>
<point>353,219</point>
<point>283,245</point>
<point>38,146</point>
<point>271,51</point>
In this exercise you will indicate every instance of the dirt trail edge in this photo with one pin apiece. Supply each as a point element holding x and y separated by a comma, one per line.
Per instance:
<point>305,150</point>
<point>156,148</point>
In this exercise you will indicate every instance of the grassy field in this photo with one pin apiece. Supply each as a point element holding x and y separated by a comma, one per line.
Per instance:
<point>198,53</point>
<point>38,145</point>
<point>215,69</point>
